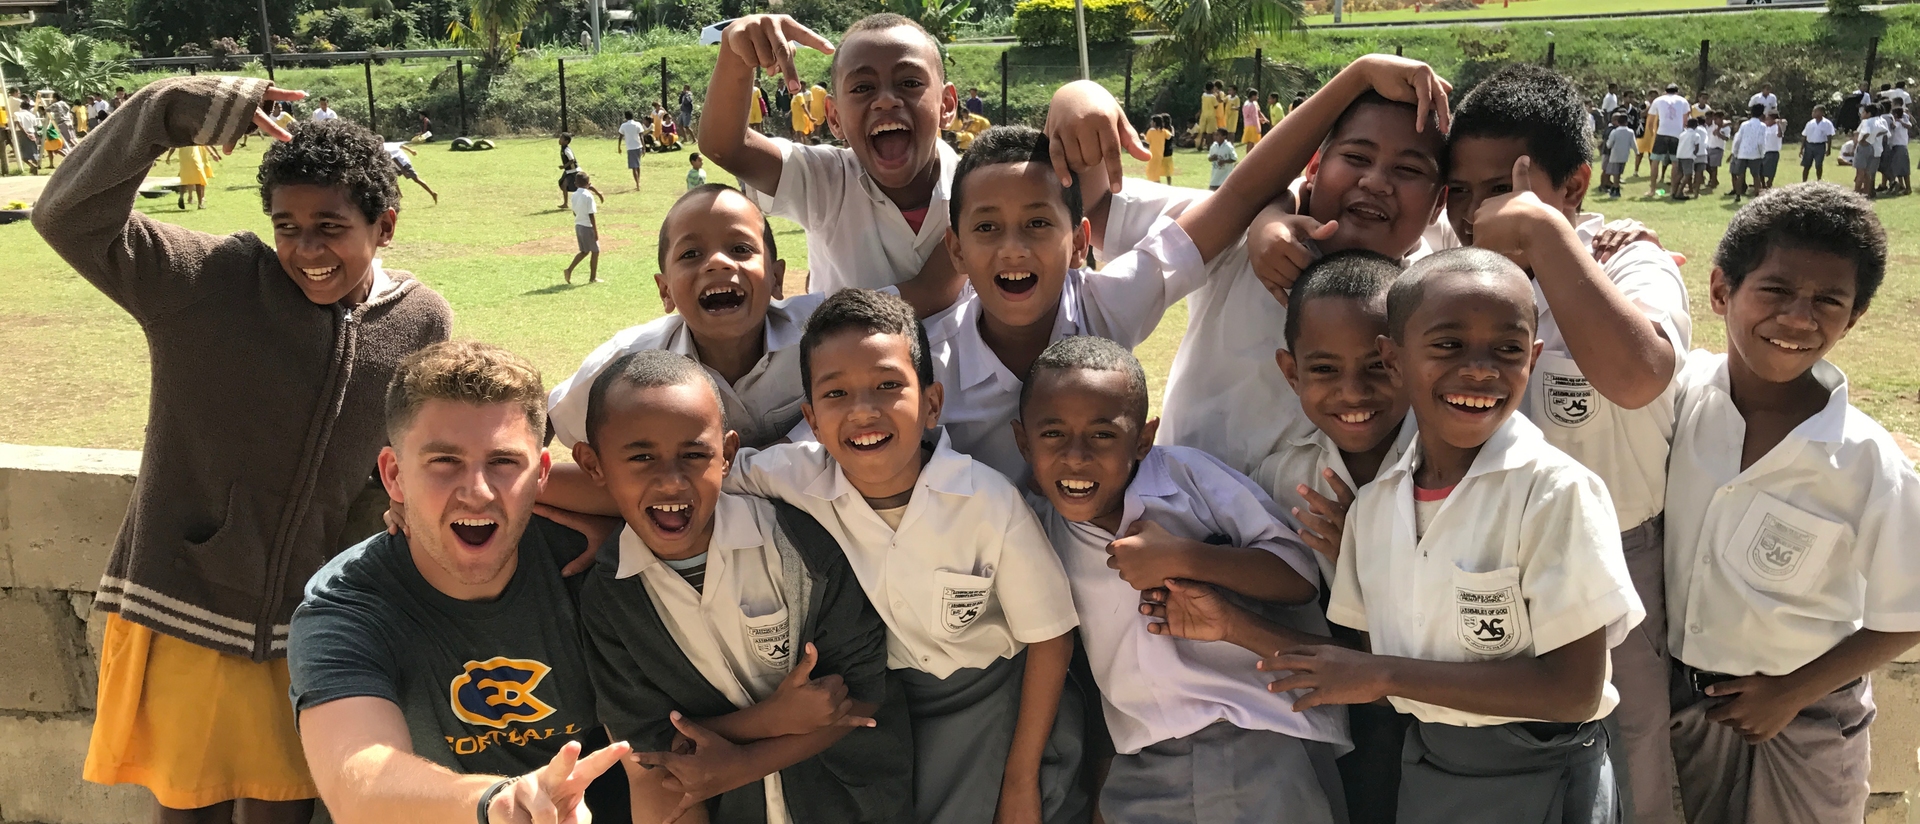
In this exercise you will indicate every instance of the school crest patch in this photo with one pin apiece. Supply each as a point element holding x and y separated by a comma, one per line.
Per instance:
<point>960,606</point>
<point>1489,619</point>
<point>1570,399</point>
<point>1778,549</point>
<point>771,643</point>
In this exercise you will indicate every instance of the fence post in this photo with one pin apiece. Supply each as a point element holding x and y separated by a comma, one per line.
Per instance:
<point>1127,99</point>
<point>1873,57</point>
<point>565,124</point>
<point>1003,87</point>
<point>373,119</point>
<point>1549,54</point>
<point>663,81</point>
<point>1701,85</point>
<point>193,69</point>
<point>1259,70</point>
<point>1399,51</point>
<point>266,38</point>
<point>460,79</point>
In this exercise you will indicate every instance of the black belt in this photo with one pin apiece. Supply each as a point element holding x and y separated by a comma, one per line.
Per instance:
<point>1700,679</point>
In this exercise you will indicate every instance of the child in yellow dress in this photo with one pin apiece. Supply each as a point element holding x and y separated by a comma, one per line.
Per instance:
<point>1159,136</point>
<point>196,169</point>
<point>1209,115</point>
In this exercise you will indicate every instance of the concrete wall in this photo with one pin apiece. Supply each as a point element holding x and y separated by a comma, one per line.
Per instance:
<point>60,509</point>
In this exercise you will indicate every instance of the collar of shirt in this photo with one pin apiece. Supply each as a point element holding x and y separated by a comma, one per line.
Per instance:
<point>1828,426</point>
<point>1311,436</point>
<point>781,330</point>
<point>1510,447</point>
<point>945,471</point>
<point>973,359</point>
<point>734,527</point>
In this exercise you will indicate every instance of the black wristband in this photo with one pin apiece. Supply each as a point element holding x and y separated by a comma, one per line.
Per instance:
<point>486,798</point>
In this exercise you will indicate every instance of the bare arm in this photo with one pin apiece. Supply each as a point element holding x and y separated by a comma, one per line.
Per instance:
<point>761,41</point>
<point>1198,612</point>
<point>1040,689</point>
<point>1563,685</point>
<point>1148,555</point>
<point>363,762</point>
<point>1762,705</point>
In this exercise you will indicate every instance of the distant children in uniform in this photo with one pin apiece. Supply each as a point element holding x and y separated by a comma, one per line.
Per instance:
<point>586,226</point>
<point>696,171</point>
<point>1791,569</point>
<point>1815,137</point>
<point>402,166</point>
<point>569,170</point>
<point>633,140</point>
<point>1159,144</point>
<point>1222,156</point>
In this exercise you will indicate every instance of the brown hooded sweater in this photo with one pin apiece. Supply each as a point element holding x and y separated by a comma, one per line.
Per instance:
<point>266,410</point>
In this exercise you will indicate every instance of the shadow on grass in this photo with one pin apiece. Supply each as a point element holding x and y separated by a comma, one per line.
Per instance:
<point>555,289</point>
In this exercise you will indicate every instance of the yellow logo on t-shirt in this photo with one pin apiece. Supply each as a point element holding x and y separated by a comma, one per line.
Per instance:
<point>499,691</point>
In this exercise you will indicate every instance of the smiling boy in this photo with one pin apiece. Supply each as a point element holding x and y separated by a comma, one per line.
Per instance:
<point>1791,568</point>
<point>727,638</point>
<point>977,607</point>
<point>874,211</point>
<point>269,364</point>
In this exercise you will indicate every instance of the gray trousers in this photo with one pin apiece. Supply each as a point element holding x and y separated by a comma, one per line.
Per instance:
<point>1813,772</point>
<point>1511,774</point>
<point>1225,775</point>
<point>1642,753</point>
<point>962,733</point>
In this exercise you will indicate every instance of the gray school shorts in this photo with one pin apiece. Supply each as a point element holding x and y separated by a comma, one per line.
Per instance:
<point>1771,163</point>
<point>1813,153</point>
<point>1613,168</point>
<point>1741,166</point>
<point>1714,156</point>
<point>1894,162</point>
<point>633,158</point>
<point>1686,166</point>
<point>587,237</point>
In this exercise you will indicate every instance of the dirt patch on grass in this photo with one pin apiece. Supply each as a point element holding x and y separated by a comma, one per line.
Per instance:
<point>561,245</point>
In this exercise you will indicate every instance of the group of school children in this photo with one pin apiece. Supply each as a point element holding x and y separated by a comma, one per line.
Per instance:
<point>1337,579</point>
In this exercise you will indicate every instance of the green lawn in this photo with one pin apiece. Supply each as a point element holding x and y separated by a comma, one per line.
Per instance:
<point>1523,8</point>
<point>496,244</point>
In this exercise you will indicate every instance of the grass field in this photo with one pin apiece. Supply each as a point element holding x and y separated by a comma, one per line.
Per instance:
<point>1525,8</point>
<point>496,244</point>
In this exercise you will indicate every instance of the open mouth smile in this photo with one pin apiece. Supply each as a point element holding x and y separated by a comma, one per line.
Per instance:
<point>892,142</point>
<point>869,441</point>
<point>474,532</point>
<point>1076,490</point>
<point>1016,283</point>
<point>319,273</point>
<point>672,520</point>
<point>1787,345</point>
<point>722,298</point>
<point>1471,404</point>
<point>1356,418</point>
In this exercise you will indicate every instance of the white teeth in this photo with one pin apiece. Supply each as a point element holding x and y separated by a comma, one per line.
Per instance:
<point>473,522</point>
<point>1473,401</point>
<point>317,274</point>
<point>717,290</point>
<point>669,507</point>
<point>1015,275</point>
<point>868,439</point>
<point>1785,345</point>
<point>1355,417</point>
<point>1077,486</point>
<point>887,127</point>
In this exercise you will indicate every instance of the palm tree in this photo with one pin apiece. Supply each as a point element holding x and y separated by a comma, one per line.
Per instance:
<point>1197,30</point>
<point>494,27</point>
<point>75,66</point>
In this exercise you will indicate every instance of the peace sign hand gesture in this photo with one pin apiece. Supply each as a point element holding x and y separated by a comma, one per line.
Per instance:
<point>557,792</point>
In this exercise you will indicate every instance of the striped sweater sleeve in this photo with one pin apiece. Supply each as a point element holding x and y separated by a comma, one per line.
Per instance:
<point>86,212</point>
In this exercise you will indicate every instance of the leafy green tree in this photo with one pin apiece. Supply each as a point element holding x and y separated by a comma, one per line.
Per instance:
<point>1200,30</point>
<point>73,65</point>
<point>494,27</point>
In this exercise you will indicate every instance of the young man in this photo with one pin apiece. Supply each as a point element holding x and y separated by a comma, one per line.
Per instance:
<point>1749,152</point>
<point>974,104</point>
<point>876,210</point>
<point>1791,567</point>
<point>997,730</point>
<point>323,112</point>
<point>465,600</point>
<point>1672,111</point>
<point>1814,139</point>
<point>1611,338</point>
<point>1199,737</point>
<point>632,136</point>
<point>586,226</point>
<point>228,522</point>
<point>728,638</point>
<point>1766,98</point>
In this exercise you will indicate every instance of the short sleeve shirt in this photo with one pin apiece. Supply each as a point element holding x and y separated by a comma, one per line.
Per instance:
<point>324,115</point>
<point>1522,558</point>
<point>967,578</point>
<point>1771,566</point>
<point>1673,110</point>
<point>486,687</point>
<point>763,405</point>
<point>631,132</point>
<point>856,236</point>
<point>1303,455</point>
<point>583,206</point>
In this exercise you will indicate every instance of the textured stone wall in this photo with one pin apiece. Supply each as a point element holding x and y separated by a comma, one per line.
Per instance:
<point>60,509</point>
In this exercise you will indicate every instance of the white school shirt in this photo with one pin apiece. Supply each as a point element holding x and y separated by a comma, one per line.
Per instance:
<point>1154,688</point>
<point>1307,452</point>
<point>1627,448</point>
<point>1609,102</point>
<point>1749,143</point>
<point>1700,149</point>
<point>1689,144</point>
<point>763,406</point>
<point>1773,139</point>
<point>583,206</point>
<point>967,579</point>
<point>1817,130</point>
<point>1906,100</point>
<point>856,236</point>
<point>1717,137</point>
<point>734,629</point>
<point>1521,559</point>
<point>1873,132</point>
<point>1121,301</point>
<point>1673,111</point>
<point>1898,128</point>
<point>631,131</point>
<point>1771,102</point>
<point>324,115</point>
<point>1771,566</point>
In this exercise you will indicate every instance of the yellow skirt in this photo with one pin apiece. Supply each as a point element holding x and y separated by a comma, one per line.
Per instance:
<point>1158,168</point>
<point>1251,135</point>
<point>195,726</point>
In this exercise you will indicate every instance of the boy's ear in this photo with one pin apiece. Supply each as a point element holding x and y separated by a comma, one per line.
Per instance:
<point>666,297</point>
<point>388,219</point>
<point>806,414</point>
<point>833,117</point>
<point>729,446</point>
<point>931,400</point>
<point>949,103</point>
<point>1718,292</point>
<point>1534,359</point>
<point>1289,368</point>
<point>952,242</point>
<point>1082,242</point>
<point>1390,358</point>
<point>589,461</point>
<point>1574,190</point>
<point>389,465</point>
<point>1145,445</point>
<point>546,467</point>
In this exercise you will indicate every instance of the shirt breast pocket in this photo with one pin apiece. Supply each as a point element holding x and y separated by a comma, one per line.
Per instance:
<point>1782,549</point>
<point>962,599</point>
<point>771,638</point>
<point>1489,613</point>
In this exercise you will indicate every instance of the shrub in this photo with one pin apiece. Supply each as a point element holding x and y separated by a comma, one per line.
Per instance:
<point>1050,22</point>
